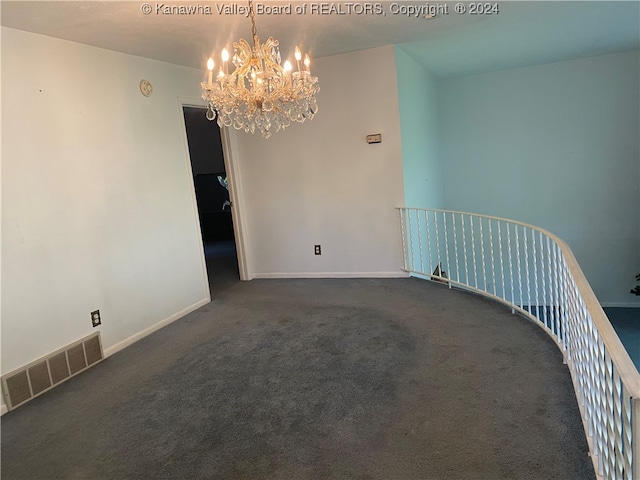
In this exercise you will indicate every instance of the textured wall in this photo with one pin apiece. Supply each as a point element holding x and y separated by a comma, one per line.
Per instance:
<point>97,197</point>
<point>419,121</point>
<point>321,183</point>
<point>554,145</point>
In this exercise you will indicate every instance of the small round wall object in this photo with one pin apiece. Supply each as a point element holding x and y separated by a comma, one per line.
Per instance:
<point>146,88</point>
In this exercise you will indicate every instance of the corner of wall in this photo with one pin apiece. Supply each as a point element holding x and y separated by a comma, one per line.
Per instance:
<point>419,126</point>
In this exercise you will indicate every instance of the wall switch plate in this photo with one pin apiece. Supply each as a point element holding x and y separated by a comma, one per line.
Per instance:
<point>317,249</point>
<point>375,138</point>
<point>95,318</point>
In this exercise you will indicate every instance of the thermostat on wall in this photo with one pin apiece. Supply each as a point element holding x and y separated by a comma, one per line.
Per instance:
<point>375,138</point>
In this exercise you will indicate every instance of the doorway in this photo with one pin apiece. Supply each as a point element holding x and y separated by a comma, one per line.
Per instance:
<point>211,187</point>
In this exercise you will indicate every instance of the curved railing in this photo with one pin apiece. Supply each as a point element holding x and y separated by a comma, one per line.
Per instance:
<point>536,274</point>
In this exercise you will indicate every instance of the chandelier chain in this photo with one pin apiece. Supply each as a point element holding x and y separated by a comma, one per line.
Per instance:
<point>254,30</point>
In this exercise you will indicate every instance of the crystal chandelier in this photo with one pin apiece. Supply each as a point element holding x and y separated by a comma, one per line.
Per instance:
<point>260,94</point>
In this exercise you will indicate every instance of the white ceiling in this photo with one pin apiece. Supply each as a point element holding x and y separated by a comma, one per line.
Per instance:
<point>522,33</point>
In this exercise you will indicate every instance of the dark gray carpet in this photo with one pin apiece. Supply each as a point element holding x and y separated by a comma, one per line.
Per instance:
<point>315,379</point>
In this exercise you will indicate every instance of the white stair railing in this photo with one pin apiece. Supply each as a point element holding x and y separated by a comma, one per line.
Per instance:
<point>536,274</point>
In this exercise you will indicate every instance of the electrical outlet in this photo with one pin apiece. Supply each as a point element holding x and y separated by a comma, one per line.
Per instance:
<point>317,250</point>
<point>95,318</point>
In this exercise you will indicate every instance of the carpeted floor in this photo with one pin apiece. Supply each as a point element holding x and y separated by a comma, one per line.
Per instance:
<point>315,379</point>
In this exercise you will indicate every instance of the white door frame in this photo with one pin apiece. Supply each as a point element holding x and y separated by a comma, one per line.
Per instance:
<point>236,194</point>
<point>229,152</point>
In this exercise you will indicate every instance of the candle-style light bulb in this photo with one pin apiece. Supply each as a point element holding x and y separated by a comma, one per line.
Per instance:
<point>210,66</point>
<point>287,70</point>
<point>307,62</point>
<point>225,58</point>
<point>298,56</point>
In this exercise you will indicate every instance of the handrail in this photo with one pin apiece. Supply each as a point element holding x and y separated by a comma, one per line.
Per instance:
<point>535,273</point>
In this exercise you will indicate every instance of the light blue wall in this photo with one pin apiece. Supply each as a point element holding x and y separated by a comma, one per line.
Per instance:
<point>554,145</point>
<point>418,103</point>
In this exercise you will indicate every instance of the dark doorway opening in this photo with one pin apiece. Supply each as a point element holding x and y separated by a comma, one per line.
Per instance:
<point>212,196</point>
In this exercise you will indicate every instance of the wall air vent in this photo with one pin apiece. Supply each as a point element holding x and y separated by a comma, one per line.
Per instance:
<point>28,382</point>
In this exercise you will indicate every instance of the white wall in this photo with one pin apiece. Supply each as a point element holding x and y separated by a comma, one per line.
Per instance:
<point>97,197</point>
<point>419,121</point>
<point>321,183</point>
<point>556,146</point>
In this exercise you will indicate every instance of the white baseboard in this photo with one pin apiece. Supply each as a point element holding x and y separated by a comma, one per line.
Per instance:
<point>3,409</point>
<point>332,275</point>
<point>620,304</point>
<point>147,331</point>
